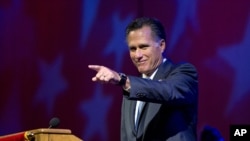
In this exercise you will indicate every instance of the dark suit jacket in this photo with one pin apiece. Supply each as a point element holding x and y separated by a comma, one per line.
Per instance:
<point>170,112</point>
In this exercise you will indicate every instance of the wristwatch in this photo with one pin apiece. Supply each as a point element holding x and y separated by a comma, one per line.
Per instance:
<point>123,80</point>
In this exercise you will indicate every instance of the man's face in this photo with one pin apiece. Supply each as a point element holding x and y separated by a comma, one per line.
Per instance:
<point>145,51</point>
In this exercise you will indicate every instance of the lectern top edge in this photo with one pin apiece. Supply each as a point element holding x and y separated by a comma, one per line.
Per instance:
<point>42,134</point>
<point>47,130</point>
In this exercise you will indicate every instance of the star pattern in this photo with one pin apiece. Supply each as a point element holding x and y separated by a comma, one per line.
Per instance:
<point>52,83</point>
<point>186,12</point>
<point>117,44</point>
<point>89,12</point>
<point>96,109</point>
<point>238,57</point>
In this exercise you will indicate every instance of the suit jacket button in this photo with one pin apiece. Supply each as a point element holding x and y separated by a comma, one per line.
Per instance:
<point>140,95</point>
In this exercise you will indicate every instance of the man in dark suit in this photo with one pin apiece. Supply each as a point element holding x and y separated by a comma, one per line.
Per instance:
<point>162,104</point>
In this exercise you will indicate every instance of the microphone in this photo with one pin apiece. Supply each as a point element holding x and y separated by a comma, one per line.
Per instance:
<point>54,122</point>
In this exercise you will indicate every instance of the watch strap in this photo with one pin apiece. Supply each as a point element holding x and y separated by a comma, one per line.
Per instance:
<point>123,79</point>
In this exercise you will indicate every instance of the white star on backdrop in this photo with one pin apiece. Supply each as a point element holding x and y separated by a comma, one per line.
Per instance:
<point>52,83</point>
<point>186,12</point>
<point>117,44</point>
<point>238,57</point>
<point>96,110</point>
<point>89,11</point>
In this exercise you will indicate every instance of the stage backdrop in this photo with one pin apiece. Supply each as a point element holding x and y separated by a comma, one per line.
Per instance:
<point>46,46</point>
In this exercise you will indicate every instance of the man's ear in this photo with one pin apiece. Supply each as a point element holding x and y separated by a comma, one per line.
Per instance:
<point>162,45</point>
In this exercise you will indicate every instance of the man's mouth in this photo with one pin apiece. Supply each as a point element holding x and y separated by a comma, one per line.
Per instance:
<point>141,62</point>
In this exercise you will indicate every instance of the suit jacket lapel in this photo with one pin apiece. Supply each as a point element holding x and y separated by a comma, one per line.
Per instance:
<point>129,118</point>
<point>132,115</point>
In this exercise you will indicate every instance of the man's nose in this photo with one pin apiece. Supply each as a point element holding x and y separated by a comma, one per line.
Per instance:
<point>138,53</point>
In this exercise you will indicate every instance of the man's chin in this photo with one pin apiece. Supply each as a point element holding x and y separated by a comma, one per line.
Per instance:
<point>141,70</point>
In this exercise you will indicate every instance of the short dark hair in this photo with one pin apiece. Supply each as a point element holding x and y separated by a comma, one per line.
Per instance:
<point>155,25</point>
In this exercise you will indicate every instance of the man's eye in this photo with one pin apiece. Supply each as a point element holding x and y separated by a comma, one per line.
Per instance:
<point>143,47</point>
<point>132,49</point>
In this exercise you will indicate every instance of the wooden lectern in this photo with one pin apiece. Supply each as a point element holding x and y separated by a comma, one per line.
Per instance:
<point>43,134</point>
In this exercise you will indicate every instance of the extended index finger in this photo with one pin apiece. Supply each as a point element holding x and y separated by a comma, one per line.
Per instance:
<point>94,67</point>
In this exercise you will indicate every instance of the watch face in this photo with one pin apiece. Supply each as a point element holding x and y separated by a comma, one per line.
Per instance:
<point>122,75</point>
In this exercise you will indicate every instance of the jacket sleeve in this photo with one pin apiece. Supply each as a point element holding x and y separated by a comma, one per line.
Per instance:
<point>177,87</point>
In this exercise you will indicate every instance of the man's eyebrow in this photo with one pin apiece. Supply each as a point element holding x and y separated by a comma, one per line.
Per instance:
<point>143,45</point>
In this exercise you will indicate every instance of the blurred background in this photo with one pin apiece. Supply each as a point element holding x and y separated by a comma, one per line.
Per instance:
<point>46,46</point>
